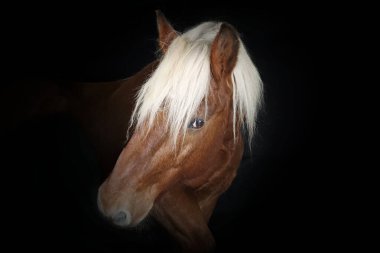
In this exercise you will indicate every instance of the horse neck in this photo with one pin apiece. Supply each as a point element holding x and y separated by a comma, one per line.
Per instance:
<point>104,110</point>
<point>130,86</point>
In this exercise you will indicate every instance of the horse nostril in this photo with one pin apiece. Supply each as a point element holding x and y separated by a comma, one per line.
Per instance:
<point>121,218</point>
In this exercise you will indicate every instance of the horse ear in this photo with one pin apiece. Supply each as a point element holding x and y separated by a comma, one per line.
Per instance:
<point>166,33</point>
<point>224,51</point>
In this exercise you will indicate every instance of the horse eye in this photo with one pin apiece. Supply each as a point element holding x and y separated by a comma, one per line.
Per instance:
<point>196,123</point>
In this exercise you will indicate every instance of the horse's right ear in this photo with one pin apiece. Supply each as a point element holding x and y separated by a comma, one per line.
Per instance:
<point>166,33</point>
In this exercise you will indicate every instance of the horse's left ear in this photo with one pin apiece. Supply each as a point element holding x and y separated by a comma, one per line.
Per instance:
<point>166,33</point>
<point>224,51</point>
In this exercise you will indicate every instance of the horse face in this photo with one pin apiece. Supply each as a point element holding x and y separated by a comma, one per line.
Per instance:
<point>150,164</point>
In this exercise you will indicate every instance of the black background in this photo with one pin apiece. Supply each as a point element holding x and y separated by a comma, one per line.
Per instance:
<point>52,175</point>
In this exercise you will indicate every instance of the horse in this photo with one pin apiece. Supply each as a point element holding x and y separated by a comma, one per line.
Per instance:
<point>176,145</point>
<point>193,107</point>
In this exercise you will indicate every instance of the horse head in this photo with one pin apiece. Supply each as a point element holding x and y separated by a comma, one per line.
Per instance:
<point>188,123</point>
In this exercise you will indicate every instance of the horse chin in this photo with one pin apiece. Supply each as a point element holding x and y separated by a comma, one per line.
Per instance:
<point>138,219</point>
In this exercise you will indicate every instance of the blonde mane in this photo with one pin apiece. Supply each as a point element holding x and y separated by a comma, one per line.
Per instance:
<point>182,79</point>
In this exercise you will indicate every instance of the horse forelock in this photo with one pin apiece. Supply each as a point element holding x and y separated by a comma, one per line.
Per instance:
<point>181,82</point>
